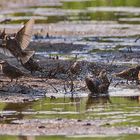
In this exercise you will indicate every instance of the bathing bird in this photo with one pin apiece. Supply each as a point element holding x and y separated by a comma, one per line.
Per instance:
<point>15,45</point>
<point>75,68</point>
<point>2,34</point>
<point>99,84</point>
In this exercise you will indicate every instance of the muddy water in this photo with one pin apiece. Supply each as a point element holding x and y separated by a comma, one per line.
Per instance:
<point>98,47</point>
<point>106,111</point>
<point>116,111</point>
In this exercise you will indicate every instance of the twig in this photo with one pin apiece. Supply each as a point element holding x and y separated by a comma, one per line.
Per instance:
<point>53,87</point>
<point>116,84</point>
<point>137,39</point>
<point>112,60</point>
<point>65,89</point>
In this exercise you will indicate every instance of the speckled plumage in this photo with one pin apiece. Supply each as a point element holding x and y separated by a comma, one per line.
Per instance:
<point>99,84</point>
<point>11,71</point>
<point>75,68</point>
<point>16,44</point>
<point>129,74</point>
<point>32,65</point>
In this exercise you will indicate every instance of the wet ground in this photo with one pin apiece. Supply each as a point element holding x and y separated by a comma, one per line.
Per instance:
<point>101,34</point>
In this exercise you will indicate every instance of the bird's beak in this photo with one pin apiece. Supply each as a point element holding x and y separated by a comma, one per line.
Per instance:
<point>2,62</point>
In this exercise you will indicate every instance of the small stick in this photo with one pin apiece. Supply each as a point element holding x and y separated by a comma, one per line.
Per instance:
<point>53,87</point>
<point>137,39</point>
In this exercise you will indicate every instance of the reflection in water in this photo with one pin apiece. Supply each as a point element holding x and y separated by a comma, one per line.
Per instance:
<point>114,109</point>
<point>76,100</point>
<point>93,101</point>
<point>14,111</point>
<point>26,138</point>
<point>134,98</point>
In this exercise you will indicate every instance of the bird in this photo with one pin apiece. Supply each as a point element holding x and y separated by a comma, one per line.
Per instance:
<point>75,68</point>
<point>32,66</point>
<point>11,71</point>
<point>15,44</point>
<point>2,34</point>
<point>99,84</point>
<point>130,74</point>
<point>14,47</point>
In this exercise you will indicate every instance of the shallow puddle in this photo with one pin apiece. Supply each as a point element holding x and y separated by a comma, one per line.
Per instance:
<point>103,111</point>
<point>116,111</point>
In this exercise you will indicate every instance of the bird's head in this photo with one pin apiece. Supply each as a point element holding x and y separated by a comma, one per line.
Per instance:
<point>138,67</point>
<point>102,73</point>
<point>89,75</point>
<point>2,63</point>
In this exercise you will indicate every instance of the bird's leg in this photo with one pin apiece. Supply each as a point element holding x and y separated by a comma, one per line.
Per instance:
<point>117,84</point>
<point>137,82</point>
<point>33,73</point>
<point>16,80</point>
<point>130,50</point>
<point>127,82</point>
<point>134,81</point>
<point>2,84</point>
<point>11,80</point>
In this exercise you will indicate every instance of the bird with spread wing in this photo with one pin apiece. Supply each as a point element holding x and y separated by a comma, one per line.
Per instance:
<point>15,45</point>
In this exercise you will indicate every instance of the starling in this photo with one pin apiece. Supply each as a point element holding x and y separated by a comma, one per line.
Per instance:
<point>32,66</point>
<point>2,34</point>
<point>103,77</point>
<point>75,68</point>
<point>11,71</point>
<point>130,74</point>
<point>16,45</point>
<point>99,84</point>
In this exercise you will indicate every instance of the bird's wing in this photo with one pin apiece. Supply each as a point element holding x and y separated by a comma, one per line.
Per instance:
<point>24,34</point>
<point>92,84</point>
<point>5,51</point>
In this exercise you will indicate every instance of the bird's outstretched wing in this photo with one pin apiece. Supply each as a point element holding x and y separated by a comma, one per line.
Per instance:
<point>5,52</point>
<point>24,34</point>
